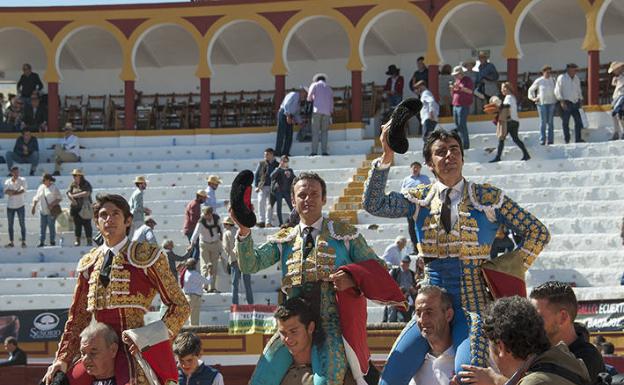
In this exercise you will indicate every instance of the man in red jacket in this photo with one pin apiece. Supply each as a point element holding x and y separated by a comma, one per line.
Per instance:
<point>394,86</point>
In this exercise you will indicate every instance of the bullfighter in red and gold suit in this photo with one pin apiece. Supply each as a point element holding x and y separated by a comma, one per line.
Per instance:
<point>116,285</point>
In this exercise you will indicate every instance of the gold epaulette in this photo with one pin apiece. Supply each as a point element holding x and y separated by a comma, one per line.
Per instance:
<point>342,230</point>
<point>143,254</point>
<point>418,192</point>
<point>485,195</point>
<point>284,235</point>
<point>87,260</point>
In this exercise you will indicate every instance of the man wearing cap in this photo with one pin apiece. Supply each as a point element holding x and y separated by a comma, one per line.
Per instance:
<point>211,193</point>
<point>322,98</point>
<point>569,94</point>
<point>461,91</point>
<point>192,213</point>
<point>68,150</point>
<point>15,188</point>
<point>136,203</point>
<point>288,114</point>
<point>617,70</point>
<point>145,233</point>
<point>394,86</point>
<point>25,150</point>
<point>229,248</point>
<point>430,109</point>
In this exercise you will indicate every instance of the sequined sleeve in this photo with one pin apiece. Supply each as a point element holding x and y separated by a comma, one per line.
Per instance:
<point>78,318</point>
<point>253,259</point>
<point>178,309</point>
<point>534,236</point>
<point>360,251</point>
<point>377,202</point>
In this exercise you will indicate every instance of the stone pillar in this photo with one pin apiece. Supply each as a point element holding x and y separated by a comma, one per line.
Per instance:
<point>280,90</point>
<point>593,78</point>
<point>53,107</point>
<point>512,72</point>
<point>433,83</point>
<point>130,111</point>
<point>356,96</point>
<point>204,103</point>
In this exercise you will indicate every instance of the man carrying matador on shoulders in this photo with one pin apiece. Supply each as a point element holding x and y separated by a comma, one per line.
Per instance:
<point>456,222</point>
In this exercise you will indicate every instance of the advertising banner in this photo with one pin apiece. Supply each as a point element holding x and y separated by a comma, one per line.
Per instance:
<point>33,325</point>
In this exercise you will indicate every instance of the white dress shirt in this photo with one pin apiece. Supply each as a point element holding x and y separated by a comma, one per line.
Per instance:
<point>568,88</point>
<point>15,201</point>
<point>393,255</point>
<point>436,370</point>
<point>542,91</point>
<point>144,234</point>
<point>430,108</point>
<point>456,194</point>
<point>316,227</point>
<point>115,249</point>
<point>71,144</point>
<point>194,282</point>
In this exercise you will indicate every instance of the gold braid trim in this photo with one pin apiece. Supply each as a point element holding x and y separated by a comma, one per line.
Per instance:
<point>143,254</point>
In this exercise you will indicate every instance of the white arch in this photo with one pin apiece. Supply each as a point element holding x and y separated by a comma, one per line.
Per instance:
<point>447,17</point>
<point>57,58</point>
<point>218,33</point>
<point>599,20</point>
<point>296,27</point>
<point>370,25</point>
<point>519,22</point>
<point>145,33</point>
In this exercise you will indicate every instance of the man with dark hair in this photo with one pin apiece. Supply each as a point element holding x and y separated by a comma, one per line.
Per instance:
<point>262,183</point>
<point>28,83</point>
<point>16,355</point>
<point>116,285</point>
<point>570,96</point>
<point>456,222</point>
<point>25,150</point>
<point>297,329</point>
<point>191,370</point>
<point>421,73</point>
<point>521,350</point>
<point>329,264</point>
<point>556,303</point>
<point>35,115</point>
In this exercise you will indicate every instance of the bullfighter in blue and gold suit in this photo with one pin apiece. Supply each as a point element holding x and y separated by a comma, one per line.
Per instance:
<point>456,222</point>
<point>329,264</point>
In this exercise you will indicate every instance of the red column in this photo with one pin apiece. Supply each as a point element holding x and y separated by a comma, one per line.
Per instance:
<point>129,105</point>
<point>593,78</point>
<point>433,83</point>
<point>204,103</point>
<point>512,72</point>
<point>280,90</point>
<point>53,107</point>
<point>356,96</point>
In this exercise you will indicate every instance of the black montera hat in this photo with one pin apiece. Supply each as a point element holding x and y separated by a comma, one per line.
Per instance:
<point>397,137</point>
<point>240,198</point>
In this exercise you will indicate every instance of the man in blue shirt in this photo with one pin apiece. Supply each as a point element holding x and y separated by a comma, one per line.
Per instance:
<point>410,182</point>
<point>287,116</point>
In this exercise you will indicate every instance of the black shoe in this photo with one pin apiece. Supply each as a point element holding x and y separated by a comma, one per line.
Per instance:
<point>32,173</point>
<point>580,141</point>
<point>497,159</point>
<point>615,136</point>
<point>311,154</point>
<point>260,224</point>
<point>52,243</point>
<point>56,173</point>
<point>550,143</point>
<point>41,244</point>
<point>542,143</point>
<point>526,157</point>
<point>325,154</point>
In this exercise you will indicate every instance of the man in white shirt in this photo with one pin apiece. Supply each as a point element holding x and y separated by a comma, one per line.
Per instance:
<point>210,233</point>
<point>569,94</point>
<point>430,109</point>
<point>66,151</point>
<point>409,182</point>
<point>393,253</point>
<point>434,313</point>
<point>145,233</point>
<point>15,188</point>
<point>194,283</point>
<point>211,191</point>
<point>542,92</point>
